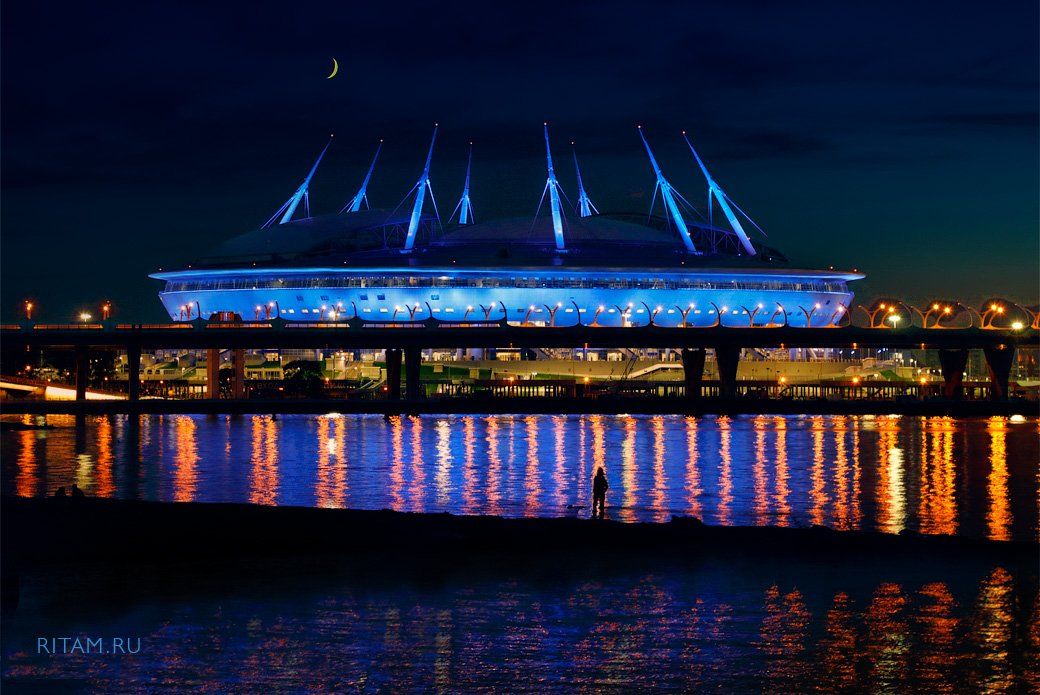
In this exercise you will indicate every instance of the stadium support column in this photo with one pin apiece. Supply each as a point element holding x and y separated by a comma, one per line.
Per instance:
<point>952,364</point>
<point>82,372</point>
<point>213,373</point>
<point>133,378</point>
<point>728,358</point>
<point>412,365</point>
<point>393,374</point>
<point>238,381</point>
<point>693,371</point>
<point>999,359</point>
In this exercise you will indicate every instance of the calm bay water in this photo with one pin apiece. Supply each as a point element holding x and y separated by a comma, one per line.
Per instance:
<point>726,625</point>
<point>972,477</point>
<point>730,623</point>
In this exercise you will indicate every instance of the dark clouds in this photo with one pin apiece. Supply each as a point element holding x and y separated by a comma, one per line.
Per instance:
<point>136,133</point>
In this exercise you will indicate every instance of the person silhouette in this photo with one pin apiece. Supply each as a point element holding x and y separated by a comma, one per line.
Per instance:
<point>599,493</point>
<point>77,493</point>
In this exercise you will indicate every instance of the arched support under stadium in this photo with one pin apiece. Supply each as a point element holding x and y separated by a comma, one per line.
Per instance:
<point>999,359</point>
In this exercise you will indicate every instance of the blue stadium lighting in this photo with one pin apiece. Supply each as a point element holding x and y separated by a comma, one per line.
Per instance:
<point>585,206</point>
<point>552,187</point>
<point>362,195</point>
<point>668,196</point>
<point>420,195</point>
<point>289,207</point>
<point>464,208</point>
<point>715,191</point>
<point>611,270</point>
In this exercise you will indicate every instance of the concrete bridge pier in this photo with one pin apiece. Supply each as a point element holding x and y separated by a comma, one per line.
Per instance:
<point>412,367</point>
<point>999,359</point>
<point>393,374</point>
<point>728,358</point>
<point>238,380</point>
<point>82,372</point>
<point>213,373</point>
<point>952,364</point>
<point>133,363</point>
<point>693,370</point>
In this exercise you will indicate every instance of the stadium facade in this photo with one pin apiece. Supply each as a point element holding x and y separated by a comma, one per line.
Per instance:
<point>561,269</point>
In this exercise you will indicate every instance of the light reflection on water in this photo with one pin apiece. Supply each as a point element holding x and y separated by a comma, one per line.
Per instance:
<point>936,475</point>
<point>729,625</point>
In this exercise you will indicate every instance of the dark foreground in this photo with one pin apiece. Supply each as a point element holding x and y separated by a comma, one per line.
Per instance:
<point>44,531</point>
<point>262,598</point>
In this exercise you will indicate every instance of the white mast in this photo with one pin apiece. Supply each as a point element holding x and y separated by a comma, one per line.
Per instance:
<point>585,206</point>
<point>552,187</point>
<point>668,196</point>
<point>362,195</point>
<point>724,202</point>
<point>420,189</point>
<point>289,206</point>
<point>464,208</point>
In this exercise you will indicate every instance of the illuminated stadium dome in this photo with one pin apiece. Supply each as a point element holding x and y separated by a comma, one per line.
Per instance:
<point>561,269</point>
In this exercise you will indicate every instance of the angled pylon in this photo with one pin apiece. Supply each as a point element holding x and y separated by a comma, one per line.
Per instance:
<point>585,206</point>
<point>552,187</point>
<point>464,207</point>
<point>289,207</point>
<point>420,188</point>
<point>715,191</point>
<point>668,196</point>
<point>362,195</point>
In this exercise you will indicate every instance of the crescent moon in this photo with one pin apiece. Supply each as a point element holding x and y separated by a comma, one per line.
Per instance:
<point>335,69</point>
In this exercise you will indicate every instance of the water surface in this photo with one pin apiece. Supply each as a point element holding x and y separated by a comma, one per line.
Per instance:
<point>971,477</point>
<point>718,624</point>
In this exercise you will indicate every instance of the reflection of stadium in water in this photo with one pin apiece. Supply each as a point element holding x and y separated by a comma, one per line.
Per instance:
<point>560,269</point>
<point>885,474</point>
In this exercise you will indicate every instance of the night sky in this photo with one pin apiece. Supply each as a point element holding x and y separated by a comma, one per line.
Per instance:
<point>897,138</point>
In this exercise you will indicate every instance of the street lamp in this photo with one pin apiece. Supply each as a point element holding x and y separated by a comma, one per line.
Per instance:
<point>991,313</point>
<point>595,316</point>
<point>84,316</point>
<point>106,310</point>
<point>28,310</point>
<point>552,313</point>
<point>527,316</point>
<point>684,313</point>
<point>894,319</point>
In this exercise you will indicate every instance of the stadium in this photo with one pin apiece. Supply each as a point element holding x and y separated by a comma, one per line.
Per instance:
<point>560,269</point>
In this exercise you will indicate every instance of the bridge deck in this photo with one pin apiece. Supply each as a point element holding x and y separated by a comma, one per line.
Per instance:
<point>369,335</point>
